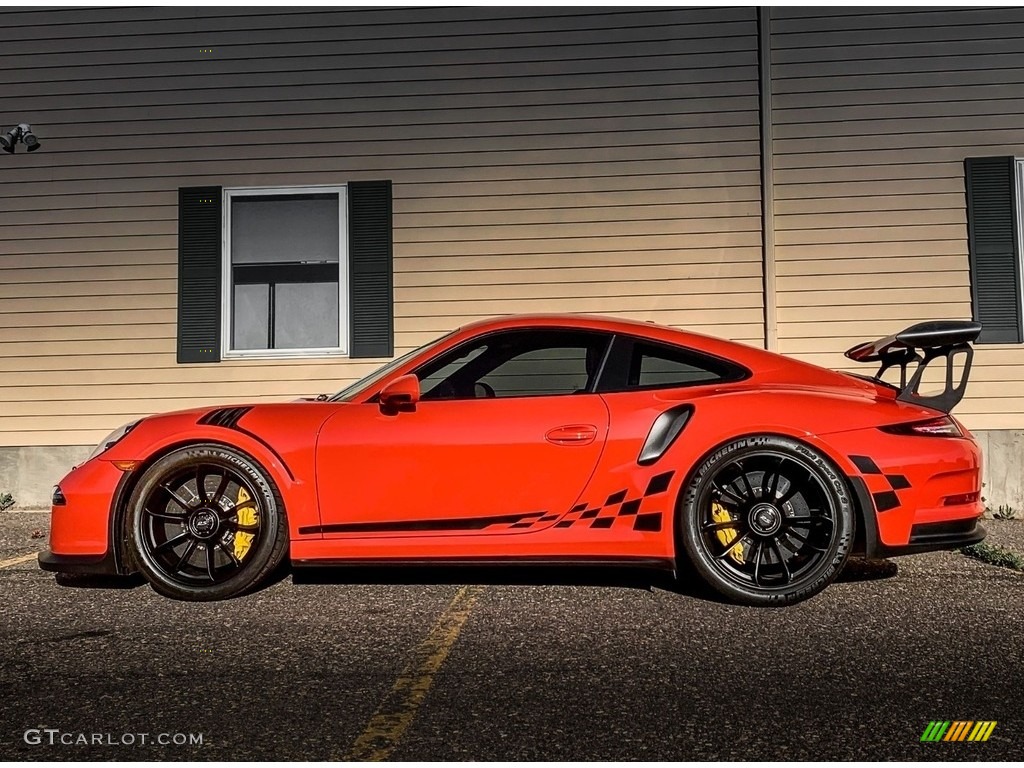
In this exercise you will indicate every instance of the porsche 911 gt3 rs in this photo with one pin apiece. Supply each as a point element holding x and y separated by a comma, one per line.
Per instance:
<point>548,439</point>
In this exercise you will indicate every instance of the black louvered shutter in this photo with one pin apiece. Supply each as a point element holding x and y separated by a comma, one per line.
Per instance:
<point>371,291</point>
<point>994,251</point>
<point>199,256</point>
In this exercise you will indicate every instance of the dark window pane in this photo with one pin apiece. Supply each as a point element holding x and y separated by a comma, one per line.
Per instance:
<point>251,316</point>
<point>305,315</point>
<point>283,228</point>
<point>516,364</point>
<point>655,366</point>
<point>549,371</point>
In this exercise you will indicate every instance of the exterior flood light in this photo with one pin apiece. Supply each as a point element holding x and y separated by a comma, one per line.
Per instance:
<point>23,133</point>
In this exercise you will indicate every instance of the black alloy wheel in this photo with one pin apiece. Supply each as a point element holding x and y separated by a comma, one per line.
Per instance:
<point>206,523</point>
<point>767,521</point>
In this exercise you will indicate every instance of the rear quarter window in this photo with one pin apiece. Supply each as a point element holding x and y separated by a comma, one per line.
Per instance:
<point>653,366</point>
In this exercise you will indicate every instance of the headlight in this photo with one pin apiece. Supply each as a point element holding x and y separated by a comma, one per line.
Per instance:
<point>112,439</point>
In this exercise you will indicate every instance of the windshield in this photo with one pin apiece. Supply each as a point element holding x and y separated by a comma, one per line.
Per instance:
<point>367,381</point>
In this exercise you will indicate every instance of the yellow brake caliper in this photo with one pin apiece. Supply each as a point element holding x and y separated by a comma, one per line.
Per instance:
<point>726,535</point>
<point>246,516</point>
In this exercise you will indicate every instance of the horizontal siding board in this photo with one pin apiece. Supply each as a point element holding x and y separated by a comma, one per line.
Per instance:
<point>576,275</point>
<point>359,72</point>
<point>867,65</point>
<point>869,234</point>
<point>428,122</point>
<point>897,34</point>
<point>103,22</point>
<point>255,58</point>
<point>557,149</point>
<point>859,118</point>
<point>838,192</point>
<point>548,215</point>
<point>910,294</point>
<point>909,202</point>
<point>351,127</point>
<point>876,218</point>
<point>680,159</point>
<point>443,32</point>
<point>386,66</point>
<point>980,136</point>
<point>869,281</point>
<point>728,80</point>
<point>867,51</point>
<point>410,107</point>
<point>792,319</point>
<point>439,182</point>
<point>790,20</point>
<point>666,259</point>
<point>867,264</point>
<point>714,241</point>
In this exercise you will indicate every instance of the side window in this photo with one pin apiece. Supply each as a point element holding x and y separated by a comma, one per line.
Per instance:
<point>653,365</point>
<point>516,364</point>
<point>547,371</point>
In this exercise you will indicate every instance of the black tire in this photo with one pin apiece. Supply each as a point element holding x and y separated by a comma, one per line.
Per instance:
<point>767,520</point>
<point>193,533</point>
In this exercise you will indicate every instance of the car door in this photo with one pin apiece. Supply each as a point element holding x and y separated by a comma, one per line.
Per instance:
<point>503,440</point>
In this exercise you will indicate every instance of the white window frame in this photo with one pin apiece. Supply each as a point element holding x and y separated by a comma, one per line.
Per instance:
<point>227,298</point>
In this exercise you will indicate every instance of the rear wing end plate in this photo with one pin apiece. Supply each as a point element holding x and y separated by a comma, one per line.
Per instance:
<point>917,347</point>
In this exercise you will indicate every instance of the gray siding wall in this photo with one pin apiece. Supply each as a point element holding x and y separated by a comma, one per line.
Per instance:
<point>543,159</point>
<point>874,111</point>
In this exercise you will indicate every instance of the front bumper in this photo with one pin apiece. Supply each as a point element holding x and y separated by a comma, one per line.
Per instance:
<point>81,521</point>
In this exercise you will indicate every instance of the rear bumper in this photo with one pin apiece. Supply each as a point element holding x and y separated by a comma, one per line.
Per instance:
<point>931,537</point>
<point>916,493</point>
<point>96,565</point>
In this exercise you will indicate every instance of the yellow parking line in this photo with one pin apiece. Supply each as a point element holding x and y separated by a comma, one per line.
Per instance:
<point>399,707</point>
<point>18,560</point>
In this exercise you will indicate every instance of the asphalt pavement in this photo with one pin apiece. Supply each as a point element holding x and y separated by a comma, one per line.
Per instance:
<point>538,664</point>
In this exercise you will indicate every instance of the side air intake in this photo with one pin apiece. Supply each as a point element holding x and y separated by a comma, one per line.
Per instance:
<point>225,417</point>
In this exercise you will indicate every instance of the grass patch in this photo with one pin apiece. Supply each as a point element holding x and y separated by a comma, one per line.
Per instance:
<point>993,555</point>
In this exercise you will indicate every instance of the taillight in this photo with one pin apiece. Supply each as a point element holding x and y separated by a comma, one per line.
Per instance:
<point>944,426</point>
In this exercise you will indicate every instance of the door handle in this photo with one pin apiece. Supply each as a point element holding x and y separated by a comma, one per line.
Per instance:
<point>572,434</point>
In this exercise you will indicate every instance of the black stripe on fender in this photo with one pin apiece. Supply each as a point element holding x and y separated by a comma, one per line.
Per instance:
<point>658,484</point>
<point>898,482</point>
<point>865,465</point>
<point>885,500</point>
<point>454,524</point>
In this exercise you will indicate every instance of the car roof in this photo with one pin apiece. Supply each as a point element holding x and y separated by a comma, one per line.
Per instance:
<point>721,347</point>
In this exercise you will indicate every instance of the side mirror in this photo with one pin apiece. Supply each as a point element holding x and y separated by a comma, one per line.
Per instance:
<point>402,394</point>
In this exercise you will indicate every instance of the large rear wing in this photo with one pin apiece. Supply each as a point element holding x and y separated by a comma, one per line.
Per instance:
<point>918,346</point>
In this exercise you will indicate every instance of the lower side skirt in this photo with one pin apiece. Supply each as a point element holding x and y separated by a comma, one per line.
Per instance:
<point>531,561</point>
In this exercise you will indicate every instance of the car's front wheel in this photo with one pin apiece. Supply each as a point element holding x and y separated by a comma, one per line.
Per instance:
<point>206,523</point>
<point>767,520</point>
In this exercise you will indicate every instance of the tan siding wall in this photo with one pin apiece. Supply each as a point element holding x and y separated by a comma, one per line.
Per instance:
<point>543,159</point>
<point>874,112</point>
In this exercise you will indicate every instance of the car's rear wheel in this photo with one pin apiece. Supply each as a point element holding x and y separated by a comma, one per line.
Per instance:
<point>206,523</point>
<point>767,520</point>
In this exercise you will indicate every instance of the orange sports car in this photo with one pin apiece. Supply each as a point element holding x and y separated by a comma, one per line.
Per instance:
<point>549,439</point>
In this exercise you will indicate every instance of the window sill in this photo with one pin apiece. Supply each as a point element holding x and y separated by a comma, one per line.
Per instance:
<point>283,354</point>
